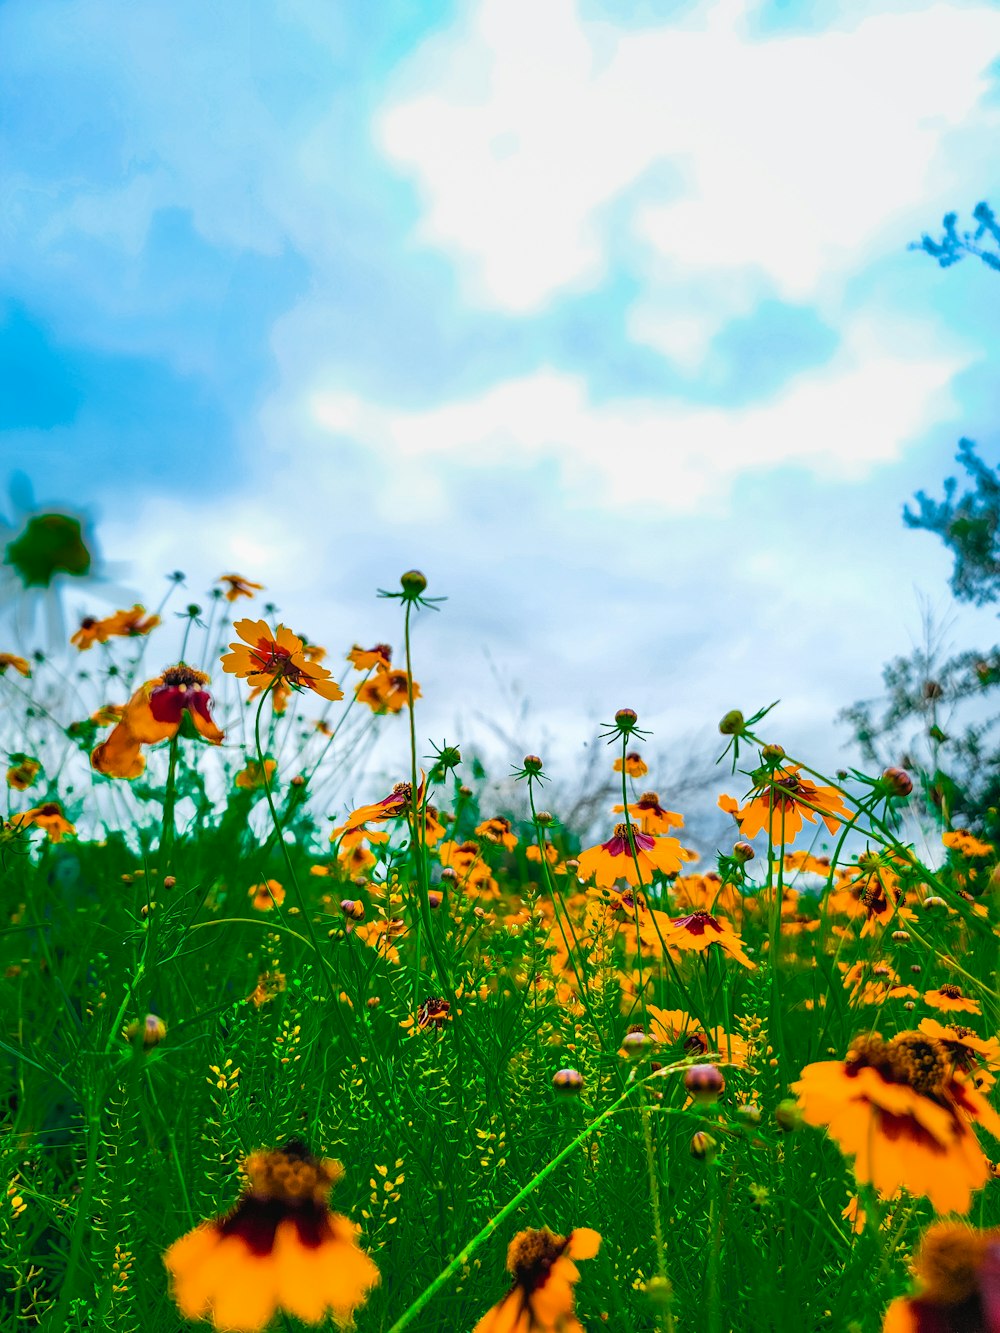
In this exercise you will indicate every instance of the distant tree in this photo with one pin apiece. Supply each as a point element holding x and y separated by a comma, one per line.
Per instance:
<point>938,716</point>
<point>954,246</point>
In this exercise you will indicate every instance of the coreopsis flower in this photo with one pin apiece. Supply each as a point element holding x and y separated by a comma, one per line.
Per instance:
<point>367,659</point>
<point>498,831</point>
<point>958,1275</point>
<point>613,860</point>
<point>396,805</point>
<point>776,805</point>
<point>386,691</point>
<point>961,840</point>
<point>699,931</point>
<point>91,631</point>
<point>280,1249</point>
<point>544,1272</point>
<point>20,664</point>
<point>267,895</point>
<point>48,817</point>
<point>635,765</point>
<point>905,1113</point>
<point>432,1014</point>
<point>650,814</point>
<point>130,624</point>
<point>253,776</point>
<point>155,713</point>
<point>237,586</point>
<point>22,772</point>
<point>974,1055</point>
<point>265,657</point>
<point>674,1027</point>
<point>950,998</point>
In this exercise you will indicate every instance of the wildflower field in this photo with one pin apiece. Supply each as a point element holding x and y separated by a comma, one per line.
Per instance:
<point>419,1062</point>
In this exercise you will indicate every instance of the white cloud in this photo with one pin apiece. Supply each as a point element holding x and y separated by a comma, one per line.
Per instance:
<point>796,152</point>
<point>837,422</point>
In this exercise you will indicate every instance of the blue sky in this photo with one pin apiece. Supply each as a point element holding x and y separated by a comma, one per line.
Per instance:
<point>600,313</point>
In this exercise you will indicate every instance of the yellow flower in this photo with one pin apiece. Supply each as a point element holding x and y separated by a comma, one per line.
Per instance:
<point>906,1114</point>
<point>280,1249</point>
<point>239,586</point>
<point>266,656</point>
<point>957,1268</point>
<point>541,1299</point>
<point>613,860</point>
<point>267,895</point>
<point>20,664</point>
<point>48,817</point>
<point>635,765</point>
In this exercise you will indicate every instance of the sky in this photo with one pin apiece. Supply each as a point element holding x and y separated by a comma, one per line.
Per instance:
<point>602,313</point>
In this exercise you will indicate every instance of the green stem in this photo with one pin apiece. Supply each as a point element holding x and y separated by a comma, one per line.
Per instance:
<point>464,1255</point>
<point>169,801</point>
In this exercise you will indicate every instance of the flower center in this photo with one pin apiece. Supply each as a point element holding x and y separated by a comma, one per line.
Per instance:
<point>917,1061</point>
<point>291,1175</point>
<point>531,1256</point>
<point>183,676</point>
<point>952,992</point>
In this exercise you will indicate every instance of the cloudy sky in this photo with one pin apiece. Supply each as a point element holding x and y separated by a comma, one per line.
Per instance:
<point>600,312</point>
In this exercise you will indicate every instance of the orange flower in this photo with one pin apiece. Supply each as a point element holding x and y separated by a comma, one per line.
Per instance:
<point>635,765</point>
<point>905,1114</point>
<point>108,714</point>
<point>155,713</point>
<point>48,817</point>
<point>674,1026</point>
<point>364,659</point>
<point>91,631</point>
<point>394,806</point>
<point>700,930</point>
<point>267,895</point>
<point>776,806</point>
<point>950,997</point>
<point>22,773</point>
<point>613,860</point>
<point>386,691</point>
<point>239,586</point>
<point>253,776</point>
<point>20,664</point>
<point>958,1269</point>
<point>265,657</point>
<point>969,1052</point>
<point>651,815</point>
<point>433,1013</point>
<point>961,840</point>
<point>129,624</point>
<point>541,1299</point>
<point>280,1249</point>
<point>498,830</point>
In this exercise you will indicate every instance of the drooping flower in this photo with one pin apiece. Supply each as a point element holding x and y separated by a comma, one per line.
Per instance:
<point>280,1249</point>
<point>265,657</point>
<point>22,772</point>
<point>239,586</point>
<point>20,664</point>
<point>776,805</point>
<point>253,776</point>
<point>498,830</point>
<point>635,765</point>
<point>386,691</point>
<point>48,817</point>
<point>155,713</point>
<point>613,860</point>
<point>700,930</point>
<point>366,659</point>
<point>650,814</point>
<point>267,895</point>
<point>544,1272</point>
<point>905,1113</point>
<point>394,806</point>
<point>958,1274</point>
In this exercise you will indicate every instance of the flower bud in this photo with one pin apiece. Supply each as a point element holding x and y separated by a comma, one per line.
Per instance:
<point>352,908</point>
<point>772,753</point>
<point>413,582</point>
<point>153,1031</point>
<point>532,763</point>
<point>169,882</point>
<point>932,903</point>
<point>901,936</point>
<point>743,851</point>
<point>625,720</point>
<point>749,1113</point>
<point>909,1005</point>
<point>635,1044</point>
<point>915,967</point>
<point>897,781</point>
<point>703,1147</point>
<point>568,1081</point>
<point>434,899</point>
<point>705,1083</point>
<point>544,818</point>
<point>733,723</point>
<point>788,1115</point>
<point>449,874</point>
